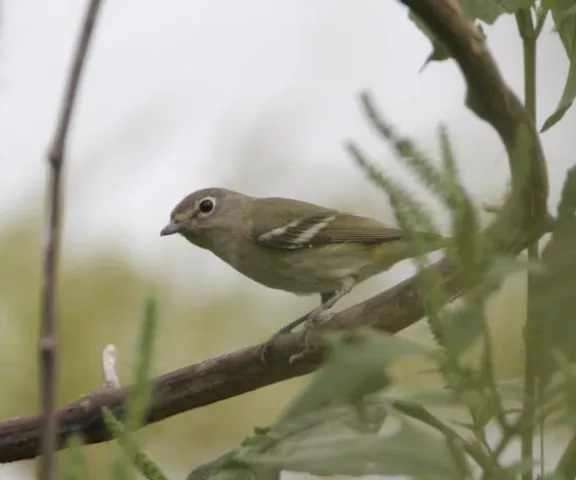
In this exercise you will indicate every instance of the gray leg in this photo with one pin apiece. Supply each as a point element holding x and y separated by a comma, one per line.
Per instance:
<point>324,297</point>
<point>329,299</point>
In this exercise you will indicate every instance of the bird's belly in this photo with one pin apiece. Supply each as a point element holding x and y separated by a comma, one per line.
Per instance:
<point>305,272</point>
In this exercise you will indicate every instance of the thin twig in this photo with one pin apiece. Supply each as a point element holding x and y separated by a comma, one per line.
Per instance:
<point>48,343</point>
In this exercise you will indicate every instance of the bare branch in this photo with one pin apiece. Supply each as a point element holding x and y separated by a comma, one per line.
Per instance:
<point>222,377</point>
<point>523,219</point>
<point>48,342</point>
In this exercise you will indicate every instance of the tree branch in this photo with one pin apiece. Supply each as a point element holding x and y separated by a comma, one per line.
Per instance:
<point>48,342</point>
<point>242,371</point>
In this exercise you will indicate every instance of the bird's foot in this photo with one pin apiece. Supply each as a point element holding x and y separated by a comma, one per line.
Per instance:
<point>310,322</point>
<point>267,344</point>
<point>308,327</point>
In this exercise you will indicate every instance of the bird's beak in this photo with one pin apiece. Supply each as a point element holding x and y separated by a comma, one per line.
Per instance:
<point>171,229</point>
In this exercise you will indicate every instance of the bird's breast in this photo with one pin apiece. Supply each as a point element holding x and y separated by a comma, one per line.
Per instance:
<point>305,271</point>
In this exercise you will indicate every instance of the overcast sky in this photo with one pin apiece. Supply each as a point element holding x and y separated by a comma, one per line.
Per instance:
<point>253,95</point>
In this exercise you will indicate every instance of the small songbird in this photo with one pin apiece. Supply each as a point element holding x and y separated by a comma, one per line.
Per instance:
<point>291,245</point>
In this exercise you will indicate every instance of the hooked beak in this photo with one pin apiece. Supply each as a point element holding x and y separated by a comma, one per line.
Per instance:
<point>171,229</point>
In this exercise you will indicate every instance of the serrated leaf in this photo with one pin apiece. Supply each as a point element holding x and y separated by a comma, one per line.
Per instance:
<point>554,304</point>
<point>565,23</point>
<point>412,451</point>
<point>460,329</point>
<point>355,369</point>
<point>488,11</point>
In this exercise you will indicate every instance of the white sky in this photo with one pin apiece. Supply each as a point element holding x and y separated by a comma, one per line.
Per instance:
<point>178,94</point>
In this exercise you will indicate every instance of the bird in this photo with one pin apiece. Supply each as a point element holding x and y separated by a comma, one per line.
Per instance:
<point>291,245</point>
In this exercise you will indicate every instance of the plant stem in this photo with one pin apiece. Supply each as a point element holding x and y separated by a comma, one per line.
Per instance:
<point>529,37</point>
<point>540,20</point>
<point>48,342</point>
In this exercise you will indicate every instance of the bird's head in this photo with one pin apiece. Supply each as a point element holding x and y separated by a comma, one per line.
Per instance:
<point>206,211</point>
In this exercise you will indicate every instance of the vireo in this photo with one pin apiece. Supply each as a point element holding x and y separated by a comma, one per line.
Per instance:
<point>291,245</point>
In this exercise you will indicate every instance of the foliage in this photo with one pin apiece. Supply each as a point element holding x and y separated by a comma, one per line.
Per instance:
<point>407,438</point>
<point>348,420</point>
<point>340,424</point>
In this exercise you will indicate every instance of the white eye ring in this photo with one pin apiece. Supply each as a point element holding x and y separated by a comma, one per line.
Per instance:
<point>206,205</point>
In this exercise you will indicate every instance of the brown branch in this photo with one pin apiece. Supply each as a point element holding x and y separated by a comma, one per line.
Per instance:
<point>48,342</point>
<point>242,371</point>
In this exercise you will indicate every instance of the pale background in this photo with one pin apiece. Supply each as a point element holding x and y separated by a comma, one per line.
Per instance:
<point>256,96</point>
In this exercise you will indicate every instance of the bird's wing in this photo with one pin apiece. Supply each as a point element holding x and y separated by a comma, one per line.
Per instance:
<point>304,225</point>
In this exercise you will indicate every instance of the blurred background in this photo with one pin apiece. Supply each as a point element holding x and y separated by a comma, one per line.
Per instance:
<point>255,96</point>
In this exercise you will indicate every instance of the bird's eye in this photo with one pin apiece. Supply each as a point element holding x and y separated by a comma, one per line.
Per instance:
<point>206,206</point>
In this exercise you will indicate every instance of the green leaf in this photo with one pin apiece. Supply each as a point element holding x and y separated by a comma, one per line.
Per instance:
<point>461,328</point>
<point>226,468</point>
<point>76,468</point>
<point>286,436</point>
<point>554,302</point>
<point>231,473</point>
<point>565,21</point>
<point>567,13</point>
<point>336,422</point>
<point>439,50</point>
<point>488,11</point>
<point>565,101</point>
<point>144,464</point>
<point>463,211</point>
<point>548,4</point>
<point>565,24</point>
<point>356,368</point>
<point>140,396</point>
<point>411,451</point>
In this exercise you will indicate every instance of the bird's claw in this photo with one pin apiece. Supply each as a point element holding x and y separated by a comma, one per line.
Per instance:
<point>308,326</point>
<point>312,321</point>
<point>266,347</point>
